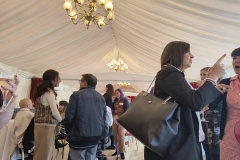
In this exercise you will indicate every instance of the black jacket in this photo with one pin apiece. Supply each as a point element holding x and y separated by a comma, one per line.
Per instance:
<point>85,115</point>
<point>171,82</point>
<point>108,100</point>
<point>215,103</point>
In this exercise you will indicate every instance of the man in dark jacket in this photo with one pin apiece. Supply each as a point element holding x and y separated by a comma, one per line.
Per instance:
<point>85,119</point>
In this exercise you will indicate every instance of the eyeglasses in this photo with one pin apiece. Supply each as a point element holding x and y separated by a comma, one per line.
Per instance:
<point>81,80</point>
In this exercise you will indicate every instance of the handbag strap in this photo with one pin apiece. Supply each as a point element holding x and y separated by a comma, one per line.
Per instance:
<point>152,83</point>
<point>167,99</point>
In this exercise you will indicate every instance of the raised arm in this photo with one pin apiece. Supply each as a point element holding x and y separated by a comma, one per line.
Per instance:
<point>174,84</point>
<point>7,115</point>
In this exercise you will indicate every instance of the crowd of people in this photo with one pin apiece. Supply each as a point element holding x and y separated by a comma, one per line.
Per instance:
<point>86,123</point>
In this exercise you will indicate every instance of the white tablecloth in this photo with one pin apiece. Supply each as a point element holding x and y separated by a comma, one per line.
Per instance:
<point>5,139</point>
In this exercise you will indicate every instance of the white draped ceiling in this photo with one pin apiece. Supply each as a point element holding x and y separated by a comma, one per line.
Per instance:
<point>38,35</point>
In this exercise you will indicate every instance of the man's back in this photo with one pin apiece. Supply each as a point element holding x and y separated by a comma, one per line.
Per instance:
<point>85,115</point>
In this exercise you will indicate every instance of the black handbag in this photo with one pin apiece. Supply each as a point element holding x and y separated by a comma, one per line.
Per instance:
<point>153,121</point>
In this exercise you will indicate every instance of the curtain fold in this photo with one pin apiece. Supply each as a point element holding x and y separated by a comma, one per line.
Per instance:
<point>34,83</point>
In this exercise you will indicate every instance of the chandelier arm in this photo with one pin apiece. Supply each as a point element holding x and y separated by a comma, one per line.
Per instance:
<point>97,24</point>
<point>100,14</point>
<point>98,5</point>
<point>77,20</point>
<point>77,7</point>
<point>105,22</point>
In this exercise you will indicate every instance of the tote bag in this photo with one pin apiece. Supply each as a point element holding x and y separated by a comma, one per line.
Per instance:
<point>153,121</point>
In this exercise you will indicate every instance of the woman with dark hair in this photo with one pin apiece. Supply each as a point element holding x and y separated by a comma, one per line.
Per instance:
<point>109,102</point>
<point>62,108</point>
<point>108,95</point>
<point>46,116</point>
<point>61,133</point>
<point>170,81</point>
<point>229,146</point>
<point>120,106</point>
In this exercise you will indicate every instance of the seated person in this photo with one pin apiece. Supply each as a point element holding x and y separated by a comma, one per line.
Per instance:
<point>21,122</point>
<point>101,145</point>
<point>62,108</point>
<point>61,133</point>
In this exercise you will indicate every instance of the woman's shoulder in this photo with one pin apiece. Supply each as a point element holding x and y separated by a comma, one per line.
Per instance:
<point>48,93</point>
<point>105,95</point>
<point>169,69</point>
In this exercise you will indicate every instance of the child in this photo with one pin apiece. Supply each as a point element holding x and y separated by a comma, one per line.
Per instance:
<point>21,122</point>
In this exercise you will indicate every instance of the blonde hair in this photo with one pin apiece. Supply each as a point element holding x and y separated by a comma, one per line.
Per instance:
<point>24,103</point>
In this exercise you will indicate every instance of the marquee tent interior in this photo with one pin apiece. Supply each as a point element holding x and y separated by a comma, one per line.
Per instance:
<point>38,35</point>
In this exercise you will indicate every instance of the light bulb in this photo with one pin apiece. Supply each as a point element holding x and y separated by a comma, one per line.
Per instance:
<point>70,1</point>
<point>73,17</point>
<point>67,6</point>
<point>73,13</point>
<point>111,15</point>
<point>100,22</point>
<point>80,1</point>
<point>108,6</point>
<point>101,2</point>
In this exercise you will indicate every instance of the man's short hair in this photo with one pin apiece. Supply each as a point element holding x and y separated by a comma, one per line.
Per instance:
<point>90,79</point>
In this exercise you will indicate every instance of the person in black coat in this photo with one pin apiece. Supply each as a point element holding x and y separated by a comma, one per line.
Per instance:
<point>170,81</point>
<point>108,96</point>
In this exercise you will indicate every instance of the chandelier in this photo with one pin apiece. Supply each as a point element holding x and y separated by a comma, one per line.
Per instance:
<point>123,84</point>
<point>117,65</point>
<point>77,10</point>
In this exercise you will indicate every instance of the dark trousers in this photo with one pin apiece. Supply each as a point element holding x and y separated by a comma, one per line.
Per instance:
<point>207,151</point>
<point>201,157</point>
<point>215,157</point>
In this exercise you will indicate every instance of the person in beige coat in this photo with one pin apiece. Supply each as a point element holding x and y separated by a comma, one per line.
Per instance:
<point>21,122</point>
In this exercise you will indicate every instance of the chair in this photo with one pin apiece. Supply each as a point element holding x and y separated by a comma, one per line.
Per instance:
<point>61,141</point>
<point>128,135</point>
<point>27,141</point>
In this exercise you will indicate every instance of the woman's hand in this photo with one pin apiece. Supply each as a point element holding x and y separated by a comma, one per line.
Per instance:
<point>223,88</point>
<point>217,70</point>
<point>12,87</point>
<point>204,109</point>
